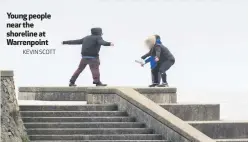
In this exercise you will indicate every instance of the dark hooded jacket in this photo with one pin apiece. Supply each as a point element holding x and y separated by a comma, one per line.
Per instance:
<point>91,44</point>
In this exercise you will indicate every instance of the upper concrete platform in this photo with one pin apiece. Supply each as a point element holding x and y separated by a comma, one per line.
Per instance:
<point>142,90</point>
<point>92,94</point>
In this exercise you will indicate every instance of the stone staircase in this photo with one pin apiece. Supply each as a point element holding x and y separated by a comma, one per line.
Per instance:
<point>84,123</point>
<point>101,120</point>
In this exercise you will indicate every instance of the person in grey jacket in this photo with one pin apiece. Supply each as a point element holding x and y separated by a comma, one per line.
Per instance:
<point>163,57</point>
<point>91,46</point>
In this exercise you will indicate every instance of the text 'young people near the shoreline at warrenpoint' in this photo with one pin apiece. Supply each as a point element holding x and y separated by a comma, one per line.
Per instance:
<point>27,36</point>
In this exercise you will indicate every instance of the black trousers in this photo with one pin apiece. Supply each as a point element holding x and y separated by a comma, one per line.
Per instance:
<point>160,71</point>
<point>156,77</point>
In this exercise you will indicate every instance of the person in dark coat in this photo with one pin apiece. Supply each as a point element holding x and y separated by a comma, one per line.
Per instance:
<point>163,57</point>
<point>91,46</point>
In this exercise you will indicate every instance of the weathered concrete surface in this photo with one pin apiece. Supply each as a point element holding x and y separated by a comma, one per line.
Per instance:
<point>12,128</point>
<point>77,119</point>
<point>98,138</point>
<point>222,129</point>
<point>194,112</point>
<point>88,131</point>
<point>88,107</point>
<point>91,94</point>
<point>73,113</point>
<point>159,95</point>
<point>85,125</point>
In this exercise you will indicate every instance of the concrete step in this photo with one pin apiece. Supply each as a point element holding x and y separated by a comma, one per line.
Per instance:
<point>97,137</point>
<point>54,95</point>
<point>72,113</point>
<point>108,141</point>
<point>222,129</point>
<point>87,131</point>
<point>85,125</point>
<point>78,119</point>
<point>194,112</point>
<point>49,103</point>
<point>68,108</point>
<point>231,140</point>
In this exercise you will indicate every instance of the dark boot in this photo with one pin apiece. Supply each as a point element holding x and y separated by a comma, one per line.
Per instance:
<point>72,84</point>
<point>99,84</point>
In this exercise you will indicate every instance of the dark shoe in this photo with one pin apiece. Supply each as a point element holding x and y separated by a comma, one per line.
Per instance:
<point>72,85</point>
<point>153,85</point>
<point>99,84</point>
<point>163,85</point>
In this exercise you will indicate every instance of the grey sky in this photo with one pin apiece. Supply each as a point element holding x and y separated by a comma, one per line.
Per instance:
<point>209,39</point>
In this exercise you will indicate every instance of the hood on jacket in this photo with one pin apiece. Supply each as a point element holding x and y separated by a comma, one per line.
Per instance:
<point>158,39</point>
<point>96,31</point>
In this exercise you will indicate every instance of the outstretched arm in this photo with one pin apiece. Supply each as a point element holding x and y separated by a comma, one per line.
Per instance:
<point>71,42</point>
<point>100,41</point>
